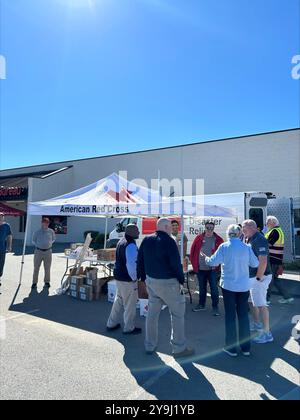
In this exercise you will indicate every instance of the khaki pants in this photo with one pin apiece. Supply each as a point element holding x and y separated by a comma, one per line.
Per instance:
<point>39,258</point>
<point>124,305</point>
<point>165,292</point>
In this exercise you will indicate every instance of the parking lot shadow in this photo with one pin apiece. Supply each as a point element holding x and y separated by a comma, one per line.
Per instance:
<point>171,381</point>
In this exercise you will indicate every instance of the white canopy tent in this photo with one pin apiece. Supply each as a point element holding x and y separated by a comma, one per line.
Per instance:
<point>118,197</point>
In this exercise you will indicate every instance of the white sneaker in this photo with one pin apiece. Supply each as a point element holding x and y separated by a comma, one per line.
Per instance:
<point>286,301</point>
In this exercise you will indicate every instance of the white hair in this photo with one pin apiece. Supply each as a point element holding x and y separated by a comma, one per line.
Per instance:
<point>234,231</point>
<point>250,223</point>
<point>163,223</point>
<point>273,220</point>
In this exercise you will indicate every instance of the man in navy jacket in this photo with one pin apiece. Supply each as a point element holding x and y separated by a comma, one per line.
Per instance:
<point>160,266</point>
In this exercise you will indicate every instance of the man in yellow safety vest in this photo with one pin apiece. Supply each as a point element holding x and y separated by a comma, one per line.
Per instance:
<point>275,237</point>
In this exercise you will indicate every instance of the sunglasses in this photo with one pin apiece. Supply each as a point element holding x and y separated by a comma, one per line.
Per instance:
<point>209,227</point>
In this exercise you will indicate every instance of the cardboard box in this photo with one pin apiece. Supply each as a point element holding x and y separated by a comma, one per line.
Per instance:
<point>99,282</point>
<point>91,273</point>
<point>86,297</point>
<point>86,290</point>
<point>86,293</point>
<point>108,255</point>
<point>73,294</point>
<point>73,271</point>
<point>77,281</point>
<point>96,290</point>
<point>96,293</point>
<point>73,288</point>
<point>93,282</point>
<point>112,291</point>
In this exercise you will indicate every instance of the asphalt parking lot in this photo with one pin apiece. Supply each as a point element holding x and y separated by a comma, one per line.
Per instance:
<point>54,347</point>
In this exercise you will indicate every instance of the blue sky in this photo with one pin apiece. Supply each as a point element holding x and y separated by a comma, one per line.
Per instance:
<point>97,77</point>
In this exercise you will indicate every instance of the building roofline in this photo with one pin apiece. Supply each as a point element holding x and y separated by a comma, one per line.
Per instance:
<point>39,174</point>
<point>152,150</point>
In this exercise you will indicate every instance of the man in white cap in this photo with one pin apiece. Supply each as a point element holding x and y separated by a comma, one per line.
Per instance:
<point>125,274</point>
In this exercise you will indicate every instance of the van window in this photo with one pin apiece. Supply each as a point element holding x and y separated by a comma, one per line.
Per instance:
<point>258,216</point>
<point>258,202</point>
<point>122,225</point>
<point>134,221</point>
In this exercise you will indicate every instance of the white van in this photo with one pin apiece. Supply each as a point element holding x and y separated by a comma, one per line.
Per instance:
<point>246,205</point>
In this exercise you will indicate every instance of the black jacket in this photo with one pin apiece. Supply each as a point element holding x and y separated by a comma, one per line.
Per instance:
<point>159,258</point>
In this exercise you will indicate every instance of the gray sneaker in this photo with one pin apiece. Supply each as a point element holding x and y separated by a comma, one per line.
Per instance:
<point>185,353</point>
<point>199,308</point>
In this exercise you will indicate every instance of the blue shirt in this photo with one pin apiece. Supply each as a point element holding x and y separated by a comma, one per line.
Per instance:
<point>236,257</point>
<point>159,258</point>
<point>131,261</point>
<point>260,247</point>
<point>4,233</point>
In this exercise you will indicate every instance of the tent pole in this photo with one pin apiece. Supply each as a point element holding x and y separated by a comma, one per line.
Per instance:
<point>106,231</point>
<point>24,247</point>
<point>182,233</point>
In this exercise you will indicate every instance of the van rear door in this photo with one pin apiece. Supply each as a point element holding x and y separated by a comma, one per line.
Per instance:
<point>256,208</point>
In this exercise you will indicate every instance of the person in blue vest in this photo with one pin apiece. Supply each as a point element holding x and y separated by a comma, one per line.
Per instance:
<point>125,273</point>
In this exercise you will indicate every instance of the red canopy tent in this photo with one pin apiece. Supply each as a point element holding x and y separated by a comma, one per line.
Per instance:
<point>9,211</point>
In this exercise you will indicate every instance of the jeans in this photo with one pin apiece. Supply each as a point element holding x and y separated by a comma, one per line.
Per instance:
<point>236,306</point>
<point>205,277</point>
<point>278,283</point>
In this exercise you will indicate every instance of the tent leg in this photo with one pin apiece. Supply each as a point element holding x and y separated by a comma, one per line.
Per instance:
<point>24,249</point>
<point>106,231</point>
<point>182,239</point>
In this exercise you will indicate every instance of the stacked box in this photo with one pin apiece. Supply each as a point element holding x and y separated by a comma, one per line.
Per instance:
<point>88,287</point>
<point>91,273</point>
<point>93,282</point>
<point>74,270</point>
<point>73,294</point>
<point>86,293</point>
<point>77,281</point>
<point>96,292</point>
<point>73,288</point>
<point>108,255</point>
